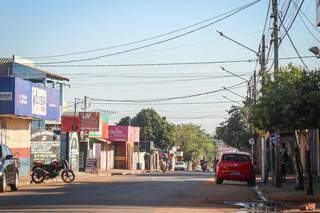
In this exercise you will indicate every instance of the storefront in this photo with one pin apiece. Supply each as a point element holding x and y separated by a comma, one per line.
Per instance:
<point>22,101</point>
<point>122,139</point>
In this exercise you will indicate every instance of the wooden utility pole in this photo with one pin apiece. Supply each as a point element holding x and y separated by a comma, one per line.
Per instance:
<point>276,69</point>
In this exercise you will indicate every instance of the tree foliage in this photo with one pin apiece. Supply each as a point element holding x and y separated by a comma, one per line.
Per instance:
<point>153,128</point>
<point>234,131</point>
<point>289,100</point>
<point>194,142</point>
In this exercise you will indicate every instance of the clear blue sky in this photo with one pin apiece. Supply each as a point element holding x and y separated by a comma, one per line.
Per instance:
<point>36,28</point>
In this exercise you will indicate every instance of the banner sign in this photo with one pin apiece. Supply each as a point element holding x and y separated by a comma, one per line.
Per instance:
<point>45,146</point>
<point>5,96</point>
<point>124,133</point>
<point>39,101</point>
<point>24,98</point>
<point>70,123</point>
<point>90,121</point>
<point>74,150</point>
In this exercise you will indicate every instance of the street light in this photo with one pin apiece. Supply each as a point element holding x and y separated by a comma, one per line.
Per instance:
<point>316,51</point>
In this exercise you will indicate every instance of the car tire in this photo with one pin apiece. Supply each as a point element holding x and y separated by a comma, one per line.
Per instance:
<point>15,186</point>
<point>3,184</point>
<point>219,181</point>
<point>252,182</point>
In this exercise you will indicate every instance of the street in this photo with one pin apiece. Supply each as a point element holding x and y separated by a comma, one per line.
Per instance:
<point>156,192</point>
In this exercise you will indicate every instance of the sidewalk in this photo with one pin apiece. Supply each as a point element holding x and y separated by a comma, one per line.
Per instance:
<point>287,196</point>
<point>287,193</point>
<point>25,180</point>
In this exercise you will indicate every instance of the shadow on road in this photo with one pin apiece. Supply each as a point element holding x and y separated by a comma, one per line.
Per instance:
<point>145,190</point>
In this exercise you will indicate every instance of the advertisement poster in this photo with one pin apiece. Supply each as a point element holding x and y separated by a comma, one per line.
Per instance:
<point>70,123</point>
<point>45,146</point>
<point>74,150</point>
<point>39,101</point>
<point>90,121</point>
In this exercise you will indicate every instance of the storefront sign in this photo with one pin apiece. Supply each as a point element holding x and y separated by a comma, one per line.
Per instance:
<point>5,96</point>
<point>24,98</point>
<point>70,123</point>
<point>89,121</point>
<point>45,146</point>
<point>39,101</point>
<point>74,150</point>
<point>124,133</point>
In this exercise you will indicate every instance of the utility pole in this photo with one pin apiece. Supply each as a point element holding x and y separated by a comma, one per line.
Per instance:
<point>263,59</point>
<point>87,138</point>
<point>75,106</point>
<point>276,69</point>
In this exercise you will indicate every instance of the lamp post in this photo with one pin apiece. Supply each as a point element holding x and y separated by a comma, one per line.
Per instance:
<point>315,50</point>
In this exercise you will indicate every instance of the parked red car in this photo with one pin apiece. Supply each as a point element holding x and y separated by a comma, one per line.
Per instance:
<point>235,166</point>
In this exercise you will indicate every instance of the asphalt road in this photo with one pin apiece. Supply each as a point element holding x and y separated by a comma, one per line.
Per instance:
<point>171,192</point>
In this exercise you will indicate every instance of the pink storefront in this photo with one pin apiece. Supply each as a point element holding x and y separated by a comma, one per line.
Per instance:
<point>122,139</point>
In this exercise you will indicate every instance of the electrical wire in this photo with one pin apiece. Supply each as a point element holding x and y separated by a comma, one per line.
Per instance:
<point>287,29</point>
<point>158,42</point>
<point>169,63</point>
<point>135,42</point>
<point>170,98</point>
<point>295,48</point>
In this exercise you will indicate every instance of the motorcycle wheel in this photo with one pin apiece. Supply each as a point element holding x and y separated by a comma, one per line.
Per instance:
<point>37,176</point>
<point>68,176</point>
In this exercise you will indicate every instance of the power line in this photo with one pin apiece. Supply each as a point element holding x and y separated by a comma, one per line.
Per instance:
<point>138,41</point>
<point>295,48</point>
<point>166,104</point>
<point>158,42</point>
<point>169,63</point>
<point>167,99</point>
<point>305,24</point>
<point>288,28</point>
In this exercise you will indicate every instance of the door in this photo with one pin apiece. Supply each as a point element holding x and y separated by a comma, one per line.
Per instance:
<point>120,155</point>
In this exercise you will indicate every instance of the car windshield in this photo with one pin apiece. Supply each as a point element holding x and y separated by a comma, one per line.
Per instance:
<point>180,163</point>
<point>236,157</point>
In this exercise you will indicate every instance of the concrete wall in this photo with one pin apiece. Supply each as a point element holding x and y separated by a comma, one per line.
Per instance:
<point>16,135</point>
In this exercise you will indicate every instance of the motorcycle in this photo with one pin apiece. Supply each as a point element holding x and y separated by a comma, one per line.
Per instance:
<point>41,171</point>
<point>163,167</point>
<point>204,167</point>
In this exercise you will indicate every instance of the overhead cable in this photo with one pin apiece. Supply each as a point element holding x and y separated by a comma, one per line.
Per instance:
<point>158,42</point>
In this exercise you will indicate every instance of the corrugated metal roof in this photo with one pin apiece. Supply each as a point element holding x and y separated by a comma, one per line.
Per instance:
<point>47,73</point>
<point>6,60</point>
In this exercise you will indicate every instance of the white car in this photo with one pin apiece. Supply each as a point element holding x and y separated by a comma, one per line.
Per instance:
<point>180,165</point>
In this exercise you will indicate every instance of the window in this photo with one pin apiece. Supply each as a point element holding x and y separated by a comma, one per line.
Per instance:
<point>236,157</point>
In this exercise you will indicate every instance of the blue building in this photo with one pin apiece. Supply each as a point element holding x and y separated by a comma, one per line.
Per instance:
<point>30,100</point>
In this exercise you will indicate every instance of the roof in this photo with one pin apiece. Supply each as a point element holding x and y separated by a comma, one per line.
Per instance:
<point>27,64</point>
<point>6,60</point>
<point>47,73</point>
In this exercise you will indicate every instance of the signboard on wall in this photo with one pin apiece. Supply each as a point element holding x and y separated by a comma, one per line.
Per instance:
<point>70,123</point>
<point>318,12</point>
<point>118,133</point>
<point>74,150</point>
<point>39,101</point>
<point>90,121</point>
<point>24,98</point>
<point>45,146</point>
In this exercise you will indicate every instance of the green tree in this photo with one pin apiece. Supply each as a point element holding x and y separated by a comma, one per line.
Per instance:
<point>153,128</point>
<point>195,142</point>
<point>289,101</point>
<point>234,132</point>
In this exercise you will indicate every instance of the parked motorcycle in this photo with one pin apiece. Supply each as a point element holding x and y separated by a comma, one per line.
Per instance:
<point>41,171</point>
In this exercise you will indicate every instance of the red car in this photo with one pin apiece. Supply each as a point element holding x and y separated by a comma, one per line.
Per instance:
<point>235,166</point>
